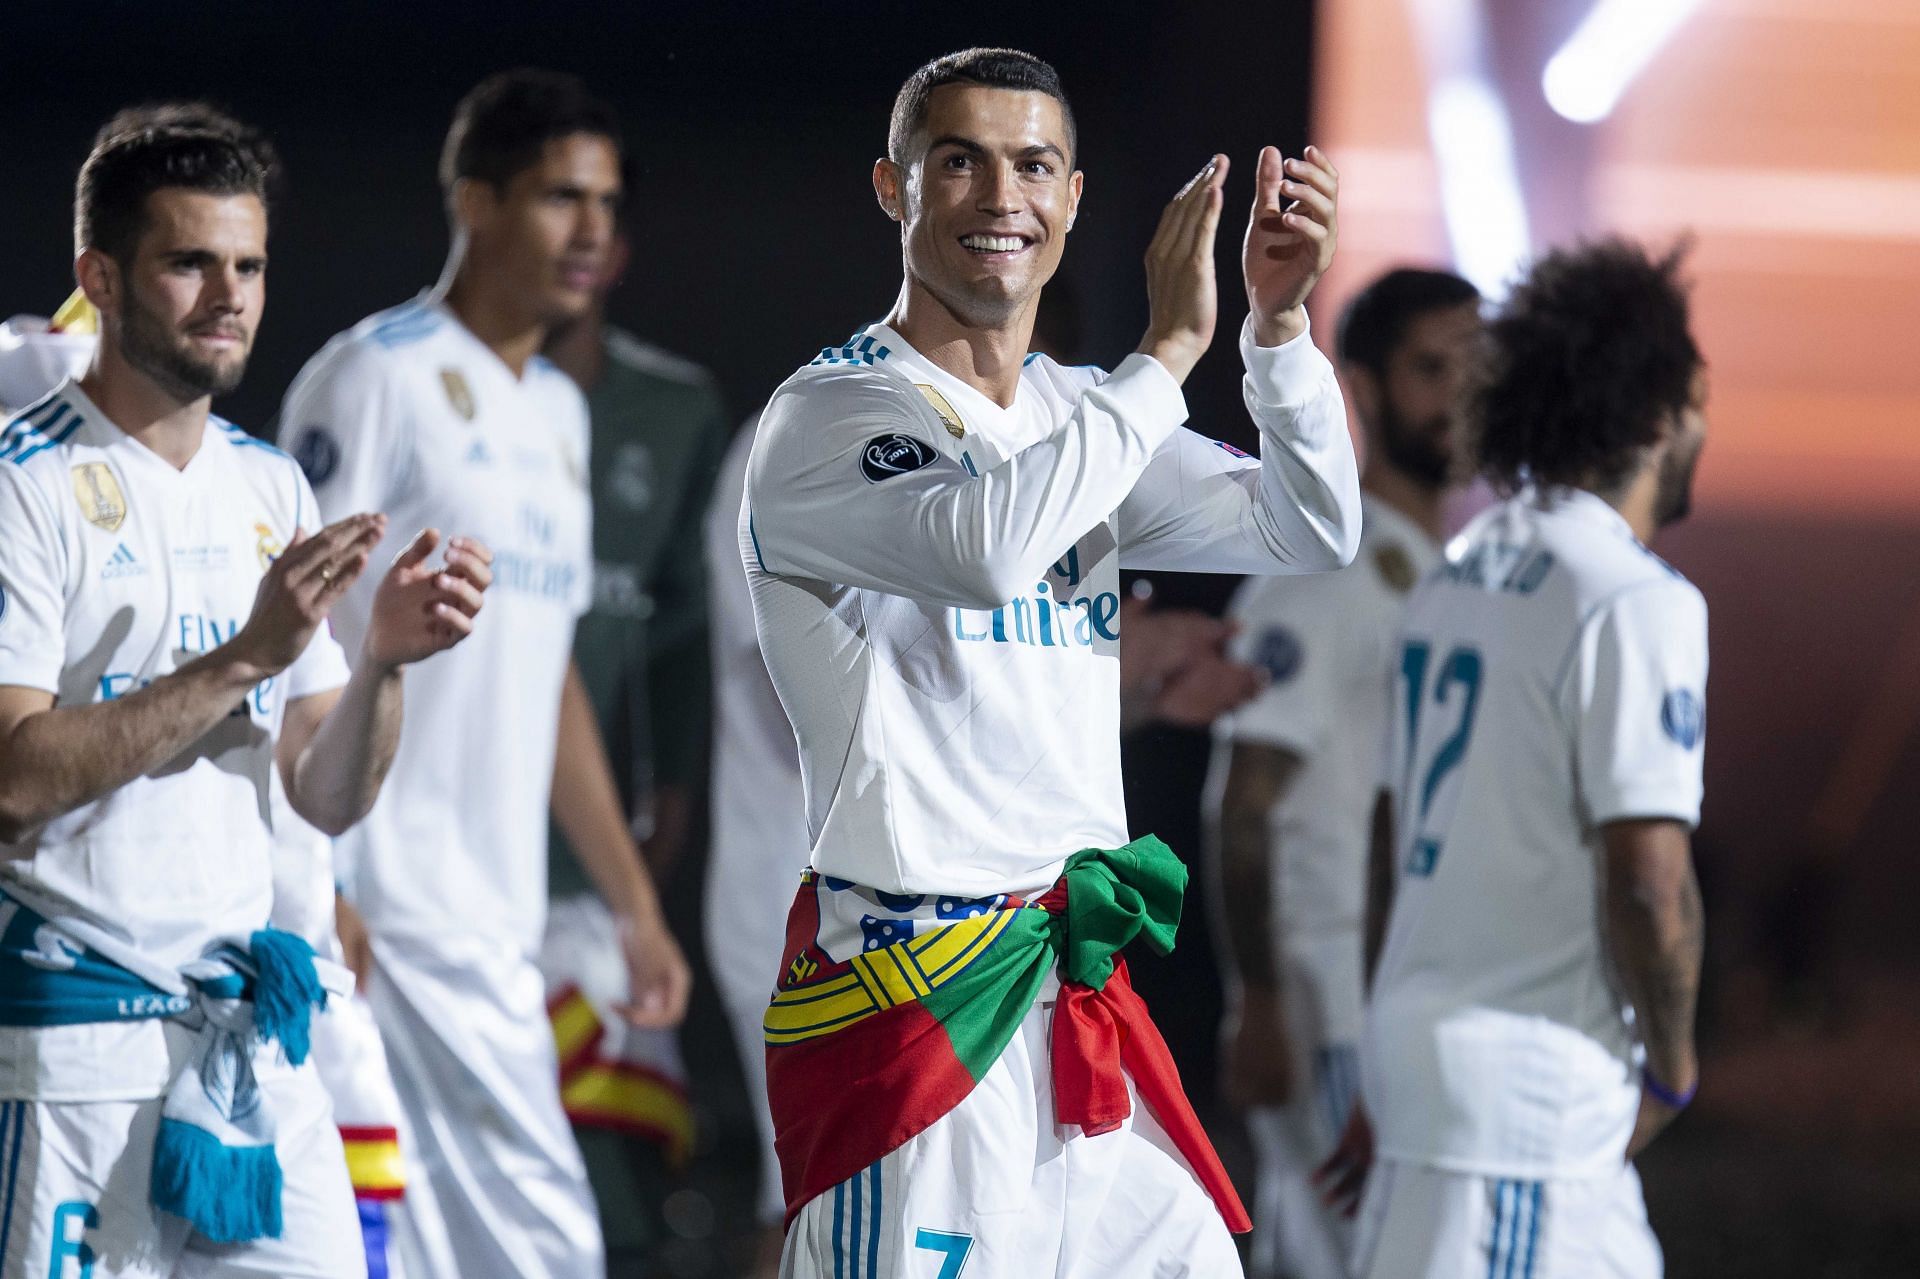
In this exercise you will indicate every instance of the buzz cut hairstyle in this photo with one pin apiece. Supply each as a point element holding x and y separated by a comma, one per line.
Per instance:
<point>1376,321</point>
<point>1585,362</point>
<point>987,68</point>
<point>504,124</point>
<point>141,150</point>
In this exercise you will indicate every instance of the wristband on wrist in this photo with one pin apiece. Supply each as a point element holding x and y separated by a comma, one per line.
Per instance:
<point>1663,1094</point>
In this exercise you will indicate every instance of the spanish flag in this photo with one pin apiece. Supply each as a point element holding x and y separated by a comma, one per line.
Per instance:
<point>864,1054</point>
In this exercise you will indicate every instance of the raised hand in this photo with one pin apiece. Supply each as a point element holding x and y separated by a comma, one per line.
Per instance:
<point>1180,283</point>
<point>300,586</point>
<point>419,611</point>
<point>1290,240</point>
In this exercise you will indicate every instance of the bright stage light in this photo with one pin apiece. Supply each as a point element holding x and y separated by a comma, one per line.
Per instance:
<point>1480,195</point>
<point>1613,44</point>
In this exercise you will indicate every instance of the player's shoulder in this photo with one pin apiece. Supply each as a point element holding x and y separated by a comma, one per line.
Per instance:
<point>381,346</point>
<point>644,359</point>
<point>1069,380</point>
<point>852,384</point>
<point>39,444</point>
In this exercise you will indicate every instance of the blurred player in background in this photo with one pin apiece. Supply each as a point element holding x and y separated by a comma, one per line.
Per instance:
<point>142,723</point>
<point>658,429</point>
<point>442,408</point>
<point>1292,781</point>
<point>934,529</point>
<point>1532,1014</point>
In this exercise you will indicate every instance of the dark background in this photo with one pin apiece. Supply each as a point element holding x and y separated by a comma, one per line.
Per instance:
<point>752,128</point>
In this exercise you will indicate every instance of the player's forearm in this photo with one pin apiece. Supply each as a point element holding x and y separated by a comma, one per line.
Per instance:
<point>586,806</point>
<point>1656,936</point>
<point>1246,892</point>
<point>340,771</point>
<point>1379,883</point>
<point>1307,506</point>
<point>57,760</point>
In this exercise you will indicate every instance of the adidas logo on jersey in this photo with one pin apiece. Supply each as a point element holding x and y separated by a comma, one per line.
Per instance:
<point>122,563</point>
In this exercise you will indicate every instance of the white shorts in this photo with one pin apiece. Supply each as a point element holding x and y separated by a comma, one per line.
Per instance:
<point>352,1065</point>
<point>746,928</point>
<point>1419,1222</point>
<point>1294,1232</point>
<point>75,1182</point>
<point>997,1190</point>
<point>496,1188</point>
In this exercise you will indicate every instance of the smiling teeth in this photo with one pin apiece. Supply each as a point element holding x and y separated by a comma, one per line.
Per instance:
<point>993,243</point>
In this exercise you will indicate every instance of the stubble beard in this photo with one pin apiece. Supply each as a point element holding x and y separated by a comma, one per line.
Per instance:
<point>152,347</point>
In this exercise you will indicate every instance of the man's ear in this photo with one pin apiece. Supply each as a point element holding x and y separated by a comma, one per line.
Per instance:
<point>889,188</point>
<point>99,278</point>
<point>1365,387</point>
<point>1076,185</point>
<point>471,202</point>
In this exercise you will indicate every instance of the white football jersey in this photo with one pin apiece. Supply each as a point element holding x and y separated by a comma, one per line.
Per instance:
<point>759,844</point>
<point>411,414</point>
<point>116,568</point>
<point>1328,643</point>
<point>936,585</point>
<point>1552,679</point>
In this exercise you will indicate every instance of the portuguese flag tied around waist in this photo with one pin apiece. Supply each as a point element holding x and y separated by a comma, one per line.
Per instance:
<point>867,1053</point>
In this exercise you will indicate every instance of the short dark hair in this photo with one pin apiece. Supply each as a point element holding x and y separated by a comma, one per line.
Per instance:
<point>1584,361</point>
<point>1377,319</point>
<point>150,148</point>
<point>990,68</point>
<point>502,125</point>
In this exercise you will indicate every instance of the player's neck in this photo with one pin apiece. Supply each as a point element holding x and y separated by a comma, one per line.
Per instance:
<point>1424,505</point>
<point>1636,503</point>
<point>503,324</point>
<point>160,421</point>
<point>986,359</point>
<point>579,348</point>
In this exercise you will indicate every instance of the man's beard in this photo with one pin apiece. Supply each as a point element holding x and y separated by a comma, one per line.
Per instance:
<point>152,347</point>
<point>1673,498</point>
<point>1418,450</point>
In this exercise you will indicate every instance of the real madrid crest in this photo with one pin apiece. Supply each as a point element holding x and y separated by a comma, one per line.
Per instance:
<point>948,418</point>
<point>459,394</point>
<point>99,495</point>
<point>1396,567</point>
<point>266,545</point>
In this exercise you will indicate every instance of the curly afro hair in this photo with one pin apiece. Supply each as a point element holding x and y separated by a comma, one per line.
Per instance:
<point>1585,361</point>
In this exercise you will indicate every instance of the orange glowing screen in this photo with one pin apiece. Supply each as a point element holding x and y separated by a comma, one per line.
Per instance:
<point>1785,136</point>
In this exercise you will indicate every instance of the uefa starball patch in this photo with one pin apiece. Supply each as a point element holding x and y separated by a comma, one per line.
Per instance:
<point>1683,718</point>
<point>886,456</point>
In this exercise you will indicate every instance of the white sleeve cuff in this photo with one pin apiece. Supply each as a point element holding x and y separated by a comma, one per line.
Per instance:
<point>1151,400</point>
<point>1290,373</point>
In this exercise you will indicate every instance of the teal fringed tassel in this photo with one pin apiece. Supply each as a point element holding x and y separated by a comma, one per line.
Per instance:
<point>286,991</point>
<point>230,1193</point>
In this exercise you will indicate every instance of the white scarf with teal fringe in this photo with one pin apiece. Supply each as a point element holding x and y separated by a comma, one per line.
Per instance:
<point>213,1160</point>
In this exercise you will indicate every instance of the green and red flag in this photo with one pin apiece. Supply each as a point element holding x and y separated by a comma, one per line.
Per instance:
<point>866,1053</point>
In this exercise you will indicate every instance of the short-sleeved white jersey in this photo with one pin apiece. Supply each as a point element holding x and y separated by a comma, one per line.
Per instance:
<point>1552,679</point>
<point>759,843</point>
<point>1328,643</point>
<point>116,569</point>
<point>411,414</point>
<point>936,586</point>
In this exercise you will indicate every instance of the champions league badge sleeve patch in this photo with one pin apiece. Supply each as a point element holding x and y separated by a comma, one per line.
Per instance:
<point>886,456</point>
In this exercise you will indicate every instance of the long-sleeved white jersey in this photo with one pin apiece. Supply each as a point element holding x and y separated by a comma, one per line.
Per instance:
<point>936,586</point>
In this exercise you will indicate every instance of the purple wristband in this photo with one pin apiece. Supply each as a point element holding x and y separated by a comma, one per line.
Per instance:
<point>1665,1095</point>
